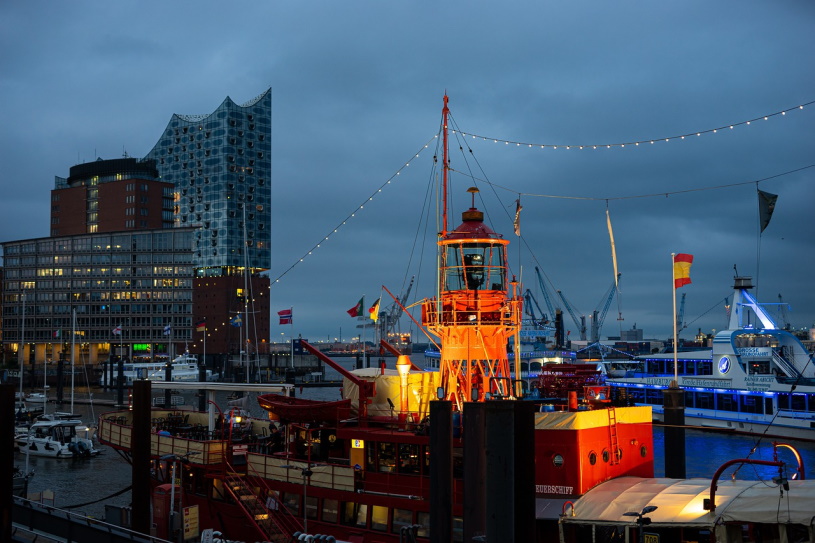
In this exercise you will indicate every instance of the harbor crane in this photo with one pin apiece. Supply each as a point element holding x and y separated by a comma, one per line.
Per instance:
<point>599,317</point>
<point>782,308</point>
<point>389,319</point>
<point>530,303</point>
<point>579,323</point>
<point>546,297</point>
<point>680,317</point>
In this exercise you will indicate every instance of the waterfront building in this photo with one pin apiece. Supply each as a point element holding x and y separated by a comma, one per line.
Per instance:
<point>125,288</point>
<point>111,196</point>
<point>220,166</point>
<point>207,182</point>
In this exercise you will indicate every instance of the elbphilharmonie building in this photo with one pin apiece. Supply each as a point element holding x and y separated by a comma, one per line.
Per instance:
<point>220,166</point>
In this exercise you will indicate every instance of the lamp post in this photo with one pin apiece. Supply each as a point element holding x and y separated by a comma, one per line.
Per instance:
<point>306,471</point>
<point>220,415</point>
<point>642,520</point>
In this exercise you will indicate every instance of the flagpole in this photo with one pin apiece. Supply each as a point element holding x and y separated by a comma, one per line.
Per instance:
<point>675,382</point>
<point>291,336</point>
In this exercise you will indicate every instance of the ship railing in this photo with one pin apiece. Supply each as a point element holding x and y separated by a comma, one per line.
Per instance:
<point>786,366</point>
<point>797,415</point>
<point>116,430</point>
<point>331,476</point>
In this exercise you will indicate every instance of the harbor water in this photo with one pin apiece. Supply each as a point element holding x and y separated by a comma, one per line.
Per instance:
<point>86,485</point>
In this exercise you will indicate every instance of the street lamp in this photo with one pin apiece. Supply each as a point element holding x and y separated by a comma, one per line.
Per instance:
<point>306,471</point>
<point>220,417</point>
<point>642,520</point>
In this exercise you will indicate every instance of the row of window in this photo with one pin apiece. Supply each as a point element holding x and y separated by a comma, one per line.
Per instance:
<point>97,258</point>
<point>730,401</point>
<point>157,241</point>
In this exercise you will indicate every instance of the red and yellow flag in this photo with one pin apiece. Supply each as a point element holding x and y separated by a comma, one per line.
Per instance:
<point>682,263</point>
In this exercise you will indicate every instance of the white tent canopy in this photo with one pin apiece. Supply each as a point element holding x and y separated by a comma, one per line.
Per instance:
<point>679,502</point>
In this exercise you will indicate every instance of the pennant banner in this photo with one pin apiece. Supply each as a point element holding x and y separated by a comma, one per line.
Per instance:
<point>682,263</point>
<point>517,222</point>
<point>766,206</point>
<point>236,321</point>
<point>117,331</point>
<point>168,330</point>
<point>613,249</point>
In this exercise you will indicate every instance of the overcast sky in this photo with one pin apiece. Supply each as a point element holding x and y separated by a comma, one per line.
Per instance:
<point>357,93</point>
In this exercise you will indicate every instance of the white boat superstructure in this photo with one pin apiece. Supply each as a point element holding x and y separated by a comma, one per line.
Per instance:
<point>185,369</point>
<point>758,378</point>
<point>58,438</point>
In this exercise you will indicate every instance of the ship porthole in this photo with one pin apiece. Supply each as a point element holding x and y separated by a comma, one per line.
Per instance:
<point>592,458</point>
<point>606,455</point>
<point>643,451</point>
<point>557,460</point>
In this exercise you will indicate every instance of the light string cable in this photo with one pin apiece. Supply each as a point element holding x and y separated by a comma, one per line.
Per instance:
<point>560,146</point>
<point>353,213</point>
<point>464,143</point>
<point>653,194</point>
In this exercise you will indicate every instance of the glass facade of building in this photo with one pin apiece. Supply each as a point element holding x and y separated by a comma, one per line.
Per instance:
<point>220,166</point>
<point>139,281</point>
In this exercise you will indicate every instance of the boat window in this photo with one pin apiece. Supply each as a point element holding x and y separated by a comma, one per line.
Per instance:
<point>458,529</point>
<point>291,502</point>
<point>606,455</point>
<point>727,402</point>
<point>783,401</point>
<point>401,518</point>
<point>799,402</point>
<point>387,457</point>
<point>330,510</point>
<point>423,520</point>
<point>643,451</point>
<point>379,518</point>
<point>354,514</point>
<point>311,507</point>
<point>592,458</point>
<point>409,459</point>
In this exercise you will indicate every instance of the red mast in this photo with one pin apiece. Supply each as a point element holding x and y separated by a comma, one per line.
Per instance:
<point>445,111</point>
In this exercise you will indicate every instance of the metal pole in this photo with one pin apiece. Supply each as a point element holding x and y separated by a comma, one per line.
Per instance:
<point>172,501</point>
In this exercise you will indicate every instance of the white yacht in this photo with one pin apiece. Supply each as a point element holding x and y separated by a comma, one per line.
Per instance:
<point>758,378</point>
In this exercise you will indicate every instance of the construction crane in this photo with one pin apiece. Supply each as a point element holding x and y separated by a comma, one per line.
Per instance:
<point>579,323</point>
<point>680,317</point>
<point>599,317</point>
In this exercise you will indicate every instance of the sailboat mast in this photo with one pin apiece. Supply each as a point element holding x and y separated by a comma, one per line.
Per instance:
<point>73,347</point>
<point>21,353</point>
<point>245,295</point>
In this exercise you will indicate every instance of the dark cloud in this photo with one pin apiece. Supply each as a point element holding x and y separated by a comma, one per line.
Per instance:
<point>357,92</point>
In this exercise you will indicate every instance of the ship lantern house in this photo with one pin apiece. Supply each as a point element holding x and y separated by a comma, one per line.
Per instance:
<point>475,313</point>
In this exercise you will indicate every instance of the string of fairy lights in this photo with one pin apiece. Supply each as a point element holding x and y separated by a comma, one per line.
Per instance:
<point>416,155</point>
<point>650,141</point>
<point>353,214</point>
